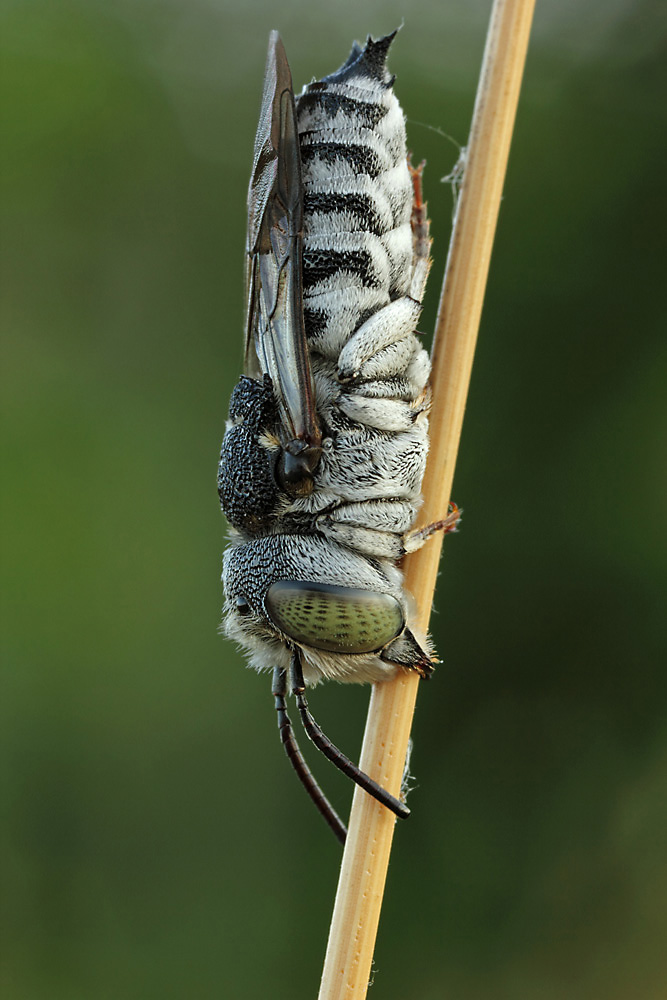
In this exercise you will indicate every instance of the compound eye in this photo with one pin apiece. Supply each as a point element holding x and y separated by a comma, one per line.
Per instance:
<point>336,619</point>
<point>242,606</point>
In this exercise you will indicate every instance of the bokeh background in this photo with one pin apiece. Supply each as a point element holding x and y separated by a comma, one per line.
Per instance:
<point>155,842</point>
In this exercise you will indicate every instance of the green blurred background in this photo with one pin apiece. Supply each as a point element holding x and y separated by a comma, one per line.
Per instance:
<point>156,843</point>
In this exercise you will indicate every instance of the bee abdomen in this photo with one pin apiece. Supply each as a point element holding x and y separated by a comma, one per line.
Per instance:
<point>357,196</point>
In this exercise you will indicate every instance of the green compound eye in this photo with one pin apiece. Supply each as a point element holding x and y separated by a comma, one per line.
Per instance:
<point>338,619</point>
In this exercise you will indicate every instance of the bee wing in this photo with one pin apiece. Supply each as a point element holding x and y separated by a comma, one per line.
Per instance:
<point>275,333</point>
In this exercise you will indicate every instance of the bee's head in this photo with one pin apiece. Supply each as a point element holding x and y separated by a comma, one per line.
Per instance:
<point>293,590</point>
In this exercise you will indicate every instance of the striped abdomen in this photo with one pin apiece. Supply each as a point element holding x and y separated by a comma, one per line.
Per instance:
<point>358,249</point>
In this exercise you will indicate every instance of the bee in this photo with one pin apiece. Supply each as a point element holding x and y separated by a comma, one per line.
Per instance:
<point>323,456</point>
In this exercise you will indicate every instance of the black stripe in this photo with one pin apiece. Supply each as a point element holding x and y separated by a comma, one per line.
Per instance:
<point>363,159</point>
<point>358,205</point>
<point>316,321</point>
<point>321,264</point>
<point>365,114</point>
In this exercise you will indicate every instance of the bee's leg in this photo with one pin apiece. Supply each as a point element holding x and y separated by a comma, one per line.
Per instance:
<point>383,332</point>
<point>279,690</point>
<point>373,527</point>
<point>381,527</point>
<point>421,238</point>
<point>414,540</point>
<point>381,378</point>
<point>384,414</point>
<point>324,744</point>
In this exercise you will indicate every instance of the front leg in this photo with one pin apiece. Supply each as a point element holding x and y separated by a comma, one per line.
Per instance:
<point>374,528</point>
<point>413,540</point>
<point>382,528</point>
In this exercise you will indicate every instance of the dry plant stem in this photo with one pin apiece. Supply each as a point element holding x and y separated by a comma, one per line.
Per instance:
<point>366,857</point>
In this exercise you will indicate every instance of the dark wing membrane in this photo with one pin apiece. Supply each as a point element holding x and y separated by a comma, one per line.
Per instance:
<point>275,335</point>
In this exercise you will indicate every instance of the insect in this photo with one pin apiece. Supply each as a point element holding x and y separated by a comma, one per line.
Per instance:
<point>324,452</point>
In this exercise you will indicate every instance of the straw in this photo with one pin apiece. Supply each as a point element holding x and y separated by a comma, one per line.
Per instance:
<point>366,856</point>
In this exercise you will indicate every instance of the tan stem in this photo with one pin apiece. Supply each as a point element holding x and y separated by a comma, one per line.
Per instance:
<point>366,856</point>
